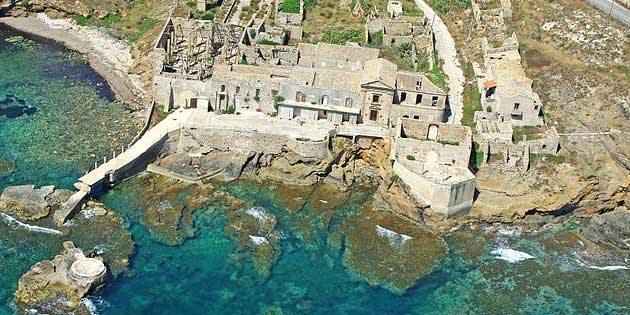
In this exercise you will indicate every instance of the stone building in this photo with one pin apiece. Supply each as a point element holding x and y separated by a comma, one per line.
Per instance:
<point>338,83</point>
<point>432,159</point>
<point>418,98</point>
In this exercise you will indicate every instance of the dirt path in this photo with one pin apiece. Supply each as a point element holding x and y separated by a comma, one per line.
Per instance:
<point>445,46</point>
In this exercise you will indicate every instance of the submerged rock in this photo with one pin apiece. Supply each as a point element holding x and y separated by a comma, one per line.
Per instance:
<point>57,286</point>
<point>388,251</point>
<point>101,232</point>
<point>254,230</point>
<point>6,165</point>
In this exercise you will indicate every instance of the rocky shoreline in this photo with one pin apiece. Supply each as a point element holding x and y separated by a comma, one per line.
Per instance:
<point>110,58</point>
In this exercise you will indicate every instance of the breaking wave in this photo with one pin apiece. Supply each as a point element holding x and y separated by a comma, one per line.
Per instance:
<point>14,223</point>
<point>510,255</point>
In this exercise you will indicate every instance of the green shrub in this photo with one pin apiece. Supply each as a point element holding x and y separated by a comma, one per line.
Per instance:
<point>231,110</point>
<point>340,37</point>
<point>377,39</point>
<point>277,100</point>
<point>411,158</point>
<point>267,42</point>
<point>445,6</point>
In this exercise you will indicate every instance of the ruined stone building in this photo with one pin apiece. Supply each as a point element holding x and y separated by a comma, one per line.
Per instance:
<point>433,159</point>
<point>506,89</point>
<point>200,68</point>
<point>489,17</point>
<point>343,85</point>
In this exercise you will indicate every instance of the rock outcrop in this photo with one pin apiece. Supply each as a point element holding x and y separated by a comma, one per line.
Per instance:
<point>58,286</point>
<point>29,203</point>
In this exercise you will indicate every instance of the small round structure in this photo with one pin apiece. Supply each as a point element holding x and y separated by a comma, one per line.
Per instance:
<point>87,268</point>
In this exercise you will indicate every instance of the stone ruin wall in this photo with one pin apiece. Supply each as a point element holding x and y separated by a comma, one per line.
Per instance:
<point>446,132</point>
<point>245,141</point>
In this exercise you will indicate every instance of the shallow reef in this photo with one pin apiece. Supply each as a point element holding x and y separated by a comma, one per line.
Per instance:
<point>388,251</point>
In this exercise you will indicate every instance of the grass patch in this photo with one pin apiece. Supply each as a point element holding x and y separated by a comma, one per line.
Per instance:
<point>477,158</point>
<point>267,42</point>
<point>547,157</point>
<point>107,21</point>
<point>445,6</point>
<point>377,39</point>
<point>144,26</point>
<point>340,37</point>
<point>290,6</point>
<point>399,55</point>
<point>531,132</point>
<point>472,102</point>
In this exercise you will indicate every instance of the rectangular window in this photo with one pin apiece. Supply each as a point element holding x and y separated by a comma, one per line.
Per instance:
<point>373,115</point>
<point>434,101</point>
<point>403,97</point>
<point>416,117</point>
<point>238,90</point>
<point>418,99</point>
<point>517,105</point>
<point>257,92</point>
<point>376,98</point>
<point>418,84</point>
<point>222,88</point>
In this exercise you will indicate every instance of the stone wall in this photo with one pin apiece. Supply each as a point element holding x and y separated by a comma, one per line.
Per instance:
<point>423,113</point>
<point>232,140</point>
<point>446,133</point>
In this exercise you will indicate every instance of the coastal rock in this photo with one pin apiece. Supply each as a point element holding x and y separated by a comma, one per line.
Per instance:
<point>611,228</point>
<point>27,202</point>
<point>57,286</point>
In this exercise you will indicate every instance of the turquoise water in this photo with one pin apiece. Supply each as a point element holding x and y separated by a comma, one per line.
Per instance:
<point>56,114</point>
<point>199,277</point>
<point>53,113</point>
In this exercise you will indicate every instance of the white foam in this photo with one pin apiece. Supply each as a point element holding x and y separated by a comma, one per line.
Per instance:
<point>90,306</point>
<point>12,222</point>
<point>258,240</point>
<point>394,238</point>
<point>609,268</point>
<point>260,214</point>
<point>88,213</point>
<point>510,255</point>
<point>509,231</point>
